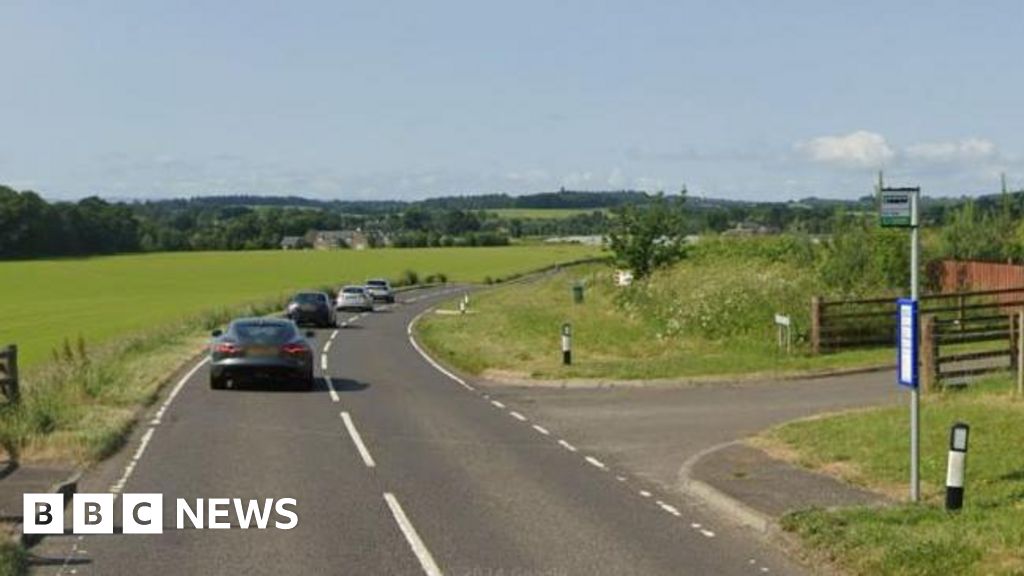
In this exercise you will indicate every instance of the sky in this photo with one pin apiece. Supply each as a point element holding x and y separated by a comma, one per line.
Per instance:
<point>753,100</point>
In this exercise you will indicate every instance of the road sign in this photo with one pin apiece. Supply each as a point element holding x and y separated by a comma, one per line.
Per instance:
<point>907,357</point>
<point>897,207</point>
<point>782,320</point>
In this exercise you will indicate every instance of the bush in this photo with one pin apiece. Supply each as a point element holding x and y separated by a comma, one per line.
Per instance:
<point>409,278</point>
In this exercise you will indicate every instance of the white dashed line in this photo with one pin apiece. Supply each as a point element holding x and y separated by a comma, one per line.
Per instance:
<point>695,526</point>
<point>541,429</point>
<point>668,508</point>
<point>498,405</point>
<point>645,493</point>
<point>334,335</point>
<point>327,347</point>
<point>620,478</point>
<point>595,462</point>
<point>357,440</point>
<point>331,390</point>
<point>323,362</point>
<point>517,416</point>
<point>417,545</point>
<point>567,446</point>
<point>707,533</point>
<point>119,485</point>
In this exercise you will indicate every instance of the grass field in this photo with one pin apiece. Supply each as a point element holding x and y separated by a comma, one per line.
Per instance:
<point>662,331</point>
<point>542,213</point>
<point>45,301</point>
<point>870,448</point>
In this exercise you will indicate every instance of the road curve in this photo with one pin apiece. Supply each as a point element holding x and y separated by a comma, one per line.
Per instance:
<point>397,468</point>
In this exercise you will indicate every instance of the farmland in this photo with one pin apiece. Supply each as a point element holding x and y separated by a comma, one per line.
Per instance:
<point>541,213</point>
<point>45,301</point>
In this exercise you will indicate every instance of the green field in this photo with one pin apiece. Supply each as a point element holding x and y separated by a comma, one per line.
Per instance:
<point>697,319</point>
<point>870,448</point>
<point>542,213</point>
<point>42,302</point>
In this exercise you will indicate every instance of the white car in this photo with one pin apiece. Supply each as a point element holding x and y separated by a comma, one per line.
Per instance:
<point>380,290</point>
<point>354,298</point>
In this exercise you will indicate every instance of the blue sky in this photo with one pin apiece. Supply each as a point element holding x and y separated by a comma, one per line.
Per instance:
<point>748,100</point>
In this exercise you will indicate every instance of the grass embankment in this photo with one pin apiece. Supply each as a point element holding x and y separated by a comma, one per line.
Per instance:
<point>870,448</point>
<point>705,316</point>
<point>152,312</point>
<point>12,560</point>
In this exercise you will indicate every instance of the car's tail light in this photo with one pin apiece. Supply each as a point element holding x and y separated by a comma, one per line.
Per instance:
<point>228,348</point>
<point>294,349</point>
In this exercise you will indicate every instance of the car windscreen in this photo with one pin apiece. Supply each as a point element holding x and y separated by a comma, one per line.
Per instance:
<point>309,298</point>
<point>264,333</point>
<point>377,283</point>
<point>351,290</point>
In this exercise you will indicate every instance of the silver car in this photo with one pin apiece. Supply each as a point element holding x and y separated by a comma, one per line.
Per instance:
<point>380,290</point>
<point>354,298</point>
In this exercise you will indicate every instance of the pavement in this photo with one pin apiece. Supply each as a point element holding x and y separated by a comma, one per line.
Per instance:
<point>399,467</point>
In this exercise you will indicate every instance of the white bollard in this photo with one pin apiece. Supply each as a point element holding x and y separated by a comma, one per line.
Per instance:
<point>566,344</point>
<point>955,467</point>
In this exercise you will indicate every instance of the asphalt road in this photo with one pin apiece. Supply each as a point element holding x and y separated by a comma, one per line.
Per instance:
<point>396,469</point>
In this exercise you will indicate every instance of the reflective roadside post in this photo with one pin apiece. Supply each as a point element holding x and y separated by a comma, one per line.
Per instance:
<point>955,467</point>
<point>566,344</point>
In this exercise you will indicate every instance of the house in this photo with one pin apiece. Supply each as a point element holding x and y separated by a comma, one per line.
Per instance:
<point>334,239</point>
<point>293,243</point>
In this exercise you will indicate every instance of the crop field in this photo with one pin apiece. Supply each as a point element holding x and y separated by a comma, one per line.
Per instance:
<point>42,302</point>
<point>542,213</point>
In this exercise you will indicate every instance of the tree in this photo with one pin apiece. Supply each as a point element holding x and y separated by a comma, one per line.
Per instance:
<point>646,237</point>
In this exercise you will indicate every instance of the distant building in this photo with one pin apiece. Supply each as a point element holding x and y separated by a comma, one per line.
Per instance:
<point>293,243</point>
<point>335,239</point>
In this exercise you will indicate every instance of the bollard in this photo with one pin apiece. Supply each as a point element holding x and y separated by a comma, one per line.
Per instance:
<point>566,344</point>
<point>577,293</point>
<point>462,307</point>
<point>955,468</point>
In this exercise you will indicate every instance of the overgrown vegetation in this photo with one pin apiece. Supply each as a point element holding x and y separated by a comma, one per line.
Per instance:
<point>647,237</point>
<point>12,560</point>
<point>869,448</point>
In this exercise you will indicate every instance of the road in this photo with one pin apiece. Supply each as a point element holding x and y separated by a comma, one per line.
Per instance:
<point>396,469</point>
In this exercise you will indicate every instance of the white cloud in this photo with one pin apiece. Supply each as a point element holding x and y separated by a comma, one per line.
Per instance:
<point>970,149</point>
<point>860,149</point>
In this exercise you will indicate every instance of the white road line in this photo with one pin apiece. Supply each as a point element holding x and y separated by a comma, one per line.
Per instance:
<point>707,533</point>
<point>330,388</point>
<point>418,547</point>
<point>541,429</point>
<point>596,462</point>
<point>620,478</point>
<point>357,440</point>
<point>498,405</point>
<point>695,525</point>
<point>517,416</point>
<point>323,362</point>
<point>668,508</point>
<point>177,388</point>
<point>645,493</point>
<point>567,446</point>
<point>128,469</point>
<point>327,347</point>
<point>334,335</point>
<point>431,361</point>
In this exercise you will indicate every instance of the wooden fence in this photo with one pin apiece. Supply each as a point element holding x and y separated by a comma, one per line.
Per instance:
<point>845,324</point>
<point>9,373</point>
<point>955,351</point>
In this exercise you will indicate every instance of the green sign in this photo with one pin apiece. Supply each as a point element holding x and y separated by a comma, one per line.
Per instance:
<point>897,208</point>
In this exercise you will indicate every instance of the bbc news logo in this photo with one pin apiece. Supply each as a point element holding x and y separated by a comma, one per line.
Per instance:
<point>144,513</point>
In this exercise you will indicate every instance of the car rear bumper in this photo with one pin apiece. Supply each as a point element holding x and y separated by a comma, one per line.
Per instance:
<point>314,317</point>
<point>260,368</point>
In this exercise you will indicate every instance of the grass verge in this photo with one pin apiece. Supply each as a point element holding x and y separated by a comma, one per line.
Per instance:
<point>692,321</point>
<point>870,448</point>
<point>12,560</point>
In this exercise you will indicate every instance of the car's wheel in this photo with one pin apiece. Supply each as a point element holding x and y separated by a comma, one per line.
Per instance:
<point>216,382</point>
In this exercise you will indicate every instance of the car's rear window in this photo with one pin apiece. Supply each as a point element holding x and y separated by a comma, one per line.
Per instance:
<point>309,298</point>
<point>264,332</point>
<point>380,283</point>
<point>353,290</point>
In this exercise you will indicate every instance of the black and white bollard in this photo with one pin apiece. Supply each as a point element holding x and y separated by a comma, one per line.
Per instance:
<point>955,468</point>
<point>566,344</point>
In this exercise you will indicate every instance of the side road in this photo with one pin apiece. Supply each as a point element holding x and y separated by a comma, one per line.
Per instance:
<point>689,439</point>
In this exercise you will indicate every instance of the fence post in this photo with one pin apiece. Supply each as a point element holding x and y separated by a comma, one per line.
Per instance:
<point>815,325</point>
<point>1014,339</point>
<point>929,354</point>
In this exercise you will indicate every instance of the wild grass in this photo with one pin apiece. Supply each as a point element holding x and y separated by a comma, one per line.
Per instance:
<point>12,560</point>
<point>870,448</point>
<point>697,319</point>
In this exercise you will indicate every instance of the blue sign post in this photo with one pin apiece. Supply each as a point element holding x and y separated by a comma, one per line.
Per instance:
<point>906,360</point>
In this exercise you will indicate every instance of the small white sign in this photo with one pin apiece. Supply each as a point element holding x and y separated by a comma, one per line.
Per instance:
<point>782,320</point>
<point>623,278</point>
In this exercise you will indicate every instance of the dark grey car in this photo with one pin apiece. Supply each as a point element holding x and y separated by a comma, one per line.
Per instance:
<point>315,308</point>
<point>261,349</point>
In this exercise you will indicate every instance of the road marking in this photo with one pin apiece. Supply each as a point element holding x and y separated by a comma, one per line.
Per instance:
<point>567,446</point>
<point>668,508</point>
<point>620,478</point>
<point>517,416</point>
<point>327,347</point>
<point>330,388</point>
<point>707,533</point>
<point>418,547</point>
<point>431,361</point>
<point>334,334</point>
<point>177,388</point>
<point>498,405</point>
<point>596,462</point>
<point>358,440</point>
<point>541,429</point>
<point>128,469</point>
<point>323,362</point>
<point>645,493</point>
<point>695,525</point>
